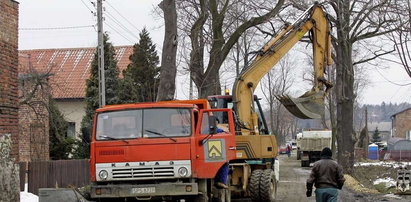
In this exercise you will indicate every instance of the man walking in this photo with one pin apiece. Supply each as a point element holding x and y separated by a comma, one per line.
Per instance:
<point>327,176</point>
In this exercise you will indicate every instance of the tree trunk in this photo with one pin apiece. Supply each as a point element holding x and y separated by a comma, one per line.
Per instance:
<point>344,88</point>
<point>168,70</point>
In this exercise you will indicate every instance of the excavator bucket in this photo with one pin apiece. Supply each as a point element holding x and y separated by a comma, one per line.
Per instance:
<point>308,106</point>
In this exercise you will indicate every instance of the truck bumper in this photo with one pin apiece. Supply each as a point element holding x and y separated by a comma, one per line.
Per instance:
<point>143,190</point>
<point>60,194</point>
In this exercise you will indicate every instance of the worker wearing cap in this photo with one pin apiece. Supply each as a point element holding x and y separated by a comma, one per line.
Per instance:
<point>327,177</point>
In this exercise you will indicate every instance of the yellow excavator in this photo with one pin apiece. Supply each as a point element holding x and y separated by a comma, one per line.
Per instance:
<point>256,147</point>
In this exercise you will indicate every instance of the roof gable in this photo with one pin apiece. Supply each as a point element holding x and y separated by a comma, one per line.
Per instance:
<point>70,67</point>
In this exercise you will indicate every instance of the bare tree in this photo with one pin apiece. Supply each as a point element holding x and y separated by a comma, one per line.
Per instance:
<point>213,32</point>
<point>358,24</point>
<point>168,70</point>
<point>278,82</point>
<point>402,38</point>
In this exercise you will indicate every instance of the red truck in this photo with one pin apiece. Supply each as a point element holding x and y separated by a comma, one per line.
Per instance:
<point>158,150</point>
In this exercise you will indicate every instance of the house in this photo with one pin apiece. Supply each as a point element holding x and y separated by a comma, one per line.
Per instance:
<point>384,130</point>
<point>401,124</point>
<point>70,68</point>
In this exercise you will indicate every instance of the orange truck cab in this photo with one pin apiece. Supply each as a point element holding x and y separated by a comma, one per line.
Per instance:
<point>162,150</point>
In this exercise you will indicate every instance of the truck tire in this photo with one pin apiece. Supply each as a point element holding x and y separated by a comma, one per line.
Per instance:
<point>268,186</point>
<point>254,185</point>
<point>305,163</point>
<point>298,155</point>
<point>201,198</point>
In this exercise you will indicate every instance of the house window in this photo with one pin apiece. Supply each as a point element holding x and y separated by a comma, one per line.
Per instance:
<point>71,129</point>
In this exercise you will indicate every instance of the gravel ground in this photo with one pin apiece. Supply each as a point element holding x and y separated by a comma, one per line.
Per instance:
<point>292,186</point>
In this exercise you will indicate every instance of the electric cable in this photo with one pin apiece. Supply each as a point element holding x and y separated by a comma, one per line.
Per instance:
<point>120,24</point>
<point>54,28</point>
<point>122,16</point>
<point>115,30</point>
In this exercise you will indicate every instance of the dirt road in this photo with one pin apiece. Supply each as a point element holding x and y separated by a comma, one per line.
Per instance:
<point>292,180</point>
<point>292,186</point>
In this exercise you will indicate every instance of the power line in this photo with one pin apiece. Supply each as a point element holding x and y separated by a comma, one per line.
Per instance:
<point>123,16</point>
<point>120,24</point>
<point>115,30</point>
<point>55,28</point>
<point>87,6</point>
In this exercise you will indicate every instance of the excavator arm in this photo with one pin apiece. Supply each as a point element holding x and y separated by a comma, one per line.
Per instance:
<point>310,104</point>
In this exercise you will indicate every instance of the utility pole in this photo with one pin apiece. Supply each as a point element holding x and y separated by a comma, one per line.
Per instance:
<point>367,137</point>
<point>101,76</point>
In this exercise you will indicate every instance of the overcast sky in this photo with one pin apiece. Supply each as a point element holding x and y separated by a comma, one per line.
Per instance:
<point>124,19</point>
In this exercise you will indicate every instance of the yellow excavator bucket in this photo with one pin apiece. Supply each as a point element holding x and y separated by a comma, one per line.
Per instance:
<point>308,106</point>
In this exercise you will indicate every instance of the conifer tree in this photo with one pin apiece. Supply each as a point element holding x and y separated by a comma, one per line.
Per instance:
<point>60,145</point>
<point>92,97</point>
<point>141,78</point>
<point>376,135</point>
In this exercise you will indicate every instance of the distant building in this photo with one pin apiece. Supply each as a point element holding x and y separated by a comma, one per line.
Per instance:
<point>401,124</point>
<point>70,68</point>
<point>384,128</point>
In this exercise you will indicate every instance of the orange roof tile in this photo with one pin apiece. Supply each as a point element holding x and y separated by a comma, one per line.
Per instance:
<point>70,67</point>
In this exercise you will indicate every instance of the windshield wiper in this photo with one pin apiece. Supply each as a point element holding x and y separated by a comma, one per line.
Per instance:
<point>160,134</point>
<point>112,138</point>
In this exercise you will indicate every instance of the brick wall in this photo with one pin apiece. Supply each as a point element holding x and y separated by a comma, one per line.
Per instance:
<point>402,123</point>
<point>33,116</point>
<point>8,72</point>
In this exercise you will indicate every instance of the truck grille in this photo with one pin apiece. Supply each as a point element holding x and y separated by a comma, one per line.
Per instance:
<point>143,173</point>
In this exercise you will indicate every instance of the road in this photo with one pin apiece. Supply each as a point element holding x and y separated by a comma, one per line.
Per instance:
<point>292,180</point>
<point>292,186</point>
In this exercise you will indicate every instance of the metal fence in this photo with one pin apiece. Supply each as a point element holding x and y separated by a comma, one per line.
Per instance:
<point>390,155</point>
<point>60,173</point>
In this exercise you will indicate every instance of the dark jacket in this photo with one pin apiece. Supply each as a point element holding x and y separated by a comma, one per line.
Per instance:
<point>326,173</point>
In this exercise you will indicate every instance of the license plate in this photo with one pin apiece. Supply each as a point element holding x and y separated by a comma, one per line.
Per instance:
<point>143,190</point>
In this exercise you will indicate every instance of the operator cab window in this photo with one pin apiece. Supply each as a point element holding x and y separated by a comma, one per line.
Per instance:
<point>221,127</point>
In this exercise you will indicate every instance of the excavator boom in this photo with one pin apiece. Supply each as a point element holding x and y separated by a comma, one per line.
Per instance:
<point>310,104</point>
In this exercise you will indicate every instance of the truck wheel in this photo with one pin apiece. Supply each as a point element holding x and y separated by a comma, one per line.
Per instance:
<point>305,163</point>
<point>268,186</point>
<point>201,198</point>
<point>298,155</point>
<point>254,185</point>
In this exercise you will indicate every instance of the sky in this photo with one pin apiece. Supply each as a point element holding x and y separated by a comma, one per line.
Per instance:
<point>69,24</point>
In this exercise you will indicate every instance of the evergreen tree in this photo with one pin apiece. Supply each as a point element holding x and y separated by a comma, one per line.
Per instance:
<point>92,97</point>
<point>60,145</point>
<point>376,135</point>
<point>141,78</point>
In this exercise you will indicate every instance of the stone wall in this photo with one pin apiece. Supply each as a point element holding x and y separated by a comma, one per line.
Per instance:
<point>9,171</point>
<point>8,72</point>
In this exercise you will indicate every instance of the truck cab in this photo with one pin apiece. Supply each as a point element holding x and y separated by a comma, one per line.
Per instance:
<point>158,150</point>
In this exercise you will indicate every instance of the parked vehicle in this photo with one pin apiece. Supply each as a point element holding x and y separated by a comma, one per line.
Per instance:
<point>282,149</point>
<point>310,143</point>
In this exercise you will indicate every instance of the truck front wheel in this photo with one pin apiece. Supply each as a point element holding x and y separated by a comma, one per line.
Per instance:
<point>262,185</point>
<point>268,186</point>
<point>201,198</point>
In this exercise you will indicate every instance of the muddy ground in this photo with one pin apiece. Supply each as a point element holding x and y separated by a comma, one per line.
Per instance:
<point>292,186</point>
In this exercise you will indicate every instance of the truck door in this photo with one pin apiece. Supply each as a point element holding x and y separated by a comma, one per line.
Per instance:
<point>214,142</point>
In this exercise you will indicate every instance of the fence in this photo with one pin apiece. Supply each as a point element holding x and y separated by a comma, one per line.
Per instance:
<point>61,173</point>
<point>393,155</point>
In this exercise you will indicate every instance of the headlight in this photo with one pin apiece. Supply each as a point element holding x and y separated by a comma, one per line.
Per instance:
<point>103,174</point>
<point>183,172</point>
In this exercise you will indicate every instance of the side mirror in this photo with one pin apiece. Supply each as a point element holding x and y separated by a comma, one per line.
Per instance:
<point>212,123</point>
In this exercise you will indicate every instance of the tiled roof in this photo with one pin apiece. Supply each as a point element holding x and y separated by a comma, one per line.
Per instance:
<point>70,67</point>
<point>382,126</point>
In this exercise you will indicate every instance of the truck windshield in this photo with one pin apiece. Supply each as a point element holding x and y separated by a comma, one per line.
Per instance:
<point>144,123</point>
